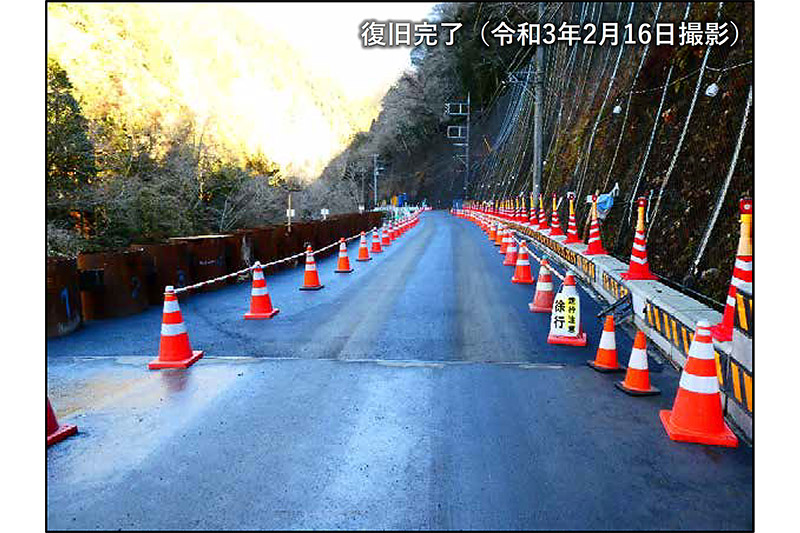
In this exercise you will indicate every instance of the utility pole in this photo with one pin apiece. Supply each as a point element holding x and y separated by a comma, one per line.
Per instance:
<point>466,150</point>
<point>460,133</point>
<point>375,180</point>
<point>536,176</point>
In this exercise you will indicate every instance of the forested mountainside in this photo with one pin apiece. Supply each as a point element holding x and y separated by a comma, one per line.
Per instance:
<point>135,151</point>
<point>174,119</point>
<point>671,123</point>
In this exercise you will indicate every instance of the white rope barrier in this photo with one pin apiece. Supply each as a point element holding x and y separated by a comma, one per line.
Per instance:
<point>276,262</point>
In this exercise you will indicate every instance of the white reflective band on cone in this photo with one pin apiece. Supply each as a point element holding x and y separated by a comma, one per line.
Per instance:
<point>170,306</point>
<point>701,350</point>
<point>638,359</point>
<point>639,247</point>
<point>310,266</point>
<point>608,341</point>
<point>170,330</point>
<point>638,260</point>
<point>258,274</point>
<point>544,286</point>
<point>701,384</point>
<point>743,265</point>
<point>731,301</point>
<point>745,285</point>
<point>258,291</point>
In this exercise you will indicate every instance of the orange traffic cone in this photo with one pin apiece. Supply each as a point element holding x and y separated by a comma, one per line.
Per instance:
<point>363,252</point>
<point>572,227</point>
<point>542,216</point>
<point>742,271</point>
<point>544,295</point>
<point>385,240</point>
<point>506,241</point>
<point>343,267</point>
<point>522,272</point>
<point>511,254</point>
<point>696,415</point>
<point>568,291</point>
<point>492,231</point>
<point>260,302</point>
<point>555,225</point>
<point>595,245</point>
<point>392,231</point>
<point>56,432</point>
<point>638,267</point>
<point>501,231</point>
<point>637,379</point>
<point>606,358</point>
<point>311,276</point>
<point>533,221</point>
<point>376,242</point>
<point>174,350</point>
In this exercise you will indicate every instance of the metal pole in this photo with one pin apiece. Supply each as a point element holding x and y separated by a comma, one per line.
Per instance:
<point>289,213</point>
<point>466,171</point>
<point>536,177</point>
<point>375,179</point>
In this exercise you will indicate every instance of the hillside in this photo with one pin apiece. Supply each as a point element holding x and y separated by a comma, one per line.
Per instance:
<point>645,118</point>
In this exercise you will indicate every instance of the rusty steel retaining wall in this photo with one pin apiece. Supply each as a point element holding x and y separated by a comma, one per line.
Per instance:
<point>123,282</point>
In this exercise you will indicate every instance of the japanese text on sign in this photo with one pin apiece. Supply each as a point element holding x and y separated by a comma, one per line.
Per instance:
<point>403,33</point>
<point>565,318</point>
<point>611,33</point>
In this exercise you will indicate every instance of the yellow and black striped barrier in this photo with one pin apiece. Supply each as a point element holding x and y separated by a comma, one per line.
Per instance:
<point>614,287</point>
<point>743,318</point>
<point>572,257</point>
<point>734,379</point>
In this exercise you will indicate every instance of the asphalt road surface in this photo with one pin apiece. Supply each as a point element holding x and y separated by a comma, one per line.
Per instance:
<point>416,392</point>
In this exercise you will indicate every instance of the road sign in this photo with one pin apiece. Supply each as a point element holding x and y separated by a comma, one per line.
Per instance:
<point>566,316</point>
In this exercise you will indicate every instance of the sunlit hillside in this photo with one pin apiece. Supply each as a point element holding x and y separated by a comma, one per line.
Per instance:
<point>143,65</point>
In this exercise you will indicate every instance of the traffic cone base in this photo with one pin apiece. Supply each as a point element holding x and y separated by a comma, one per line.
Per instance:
<point>56,432</point>
<point>364,259</point>
<point>524,281</point>
<point>605,369</point>
<point>725,437</point>
<point>261,316</point>
<point>580,340</point>
<point>63,431</point>
<point>157,364</point>
<point>312,287</point>
<point>633,276</point>
<point>652,391</point>
<point>343,271</point>
<point>721,333</point>
<point>540,308</point>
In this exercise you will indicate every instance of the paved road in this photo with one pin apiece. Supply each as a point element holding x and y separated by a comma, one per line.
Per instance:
<point>416,392</point>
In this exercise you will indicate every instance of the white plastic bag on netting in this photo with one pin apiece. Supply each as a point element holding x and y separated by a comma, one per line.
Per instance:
<point>605,201</point>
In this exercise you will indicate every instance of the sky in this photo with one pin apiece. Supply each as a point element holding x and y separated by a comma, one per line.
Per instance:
<point>329,35</point>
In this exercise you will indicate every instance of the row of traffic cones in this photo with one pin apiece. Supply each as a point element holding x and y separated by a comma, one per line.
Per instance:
<point>175,350</point>
<point>696,415</point>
